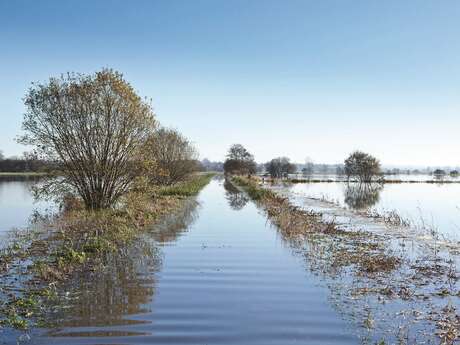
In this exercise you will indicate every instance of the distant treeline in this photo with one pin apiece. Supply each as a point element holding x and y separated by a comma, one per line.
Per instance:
<point>310,168</point>
<point>26,164</point>
<point>18,165</point>
<point>207,165</point>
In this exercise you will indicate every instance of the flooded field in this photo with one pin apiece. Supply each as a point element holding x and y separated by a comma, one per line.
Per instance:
<point>17,203</point>
<point>424,205</point>
<point>217,272</point>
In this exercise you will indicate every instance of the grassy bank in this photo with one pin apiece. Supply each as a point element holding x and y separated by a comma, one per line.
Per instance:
<point>77,241</point>
<point>25,174</point>
<point>366,271</point>
<point>187,188</point>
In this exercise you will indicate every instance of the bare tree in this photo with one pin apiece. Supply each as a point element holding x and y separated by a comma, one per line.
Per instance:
<point>362,166</point>
<point>93,127</point>
<point>174,155</point>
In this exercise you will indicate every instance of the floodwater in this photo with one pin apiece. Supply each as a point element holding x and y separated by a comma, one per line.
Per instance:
<point>424,205</point>
<point>215,273</point>
<point>17,203</point>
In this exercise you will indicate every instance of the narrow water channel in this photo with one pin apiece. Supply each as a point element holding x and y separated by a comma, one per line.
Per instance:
<point>217,273</point>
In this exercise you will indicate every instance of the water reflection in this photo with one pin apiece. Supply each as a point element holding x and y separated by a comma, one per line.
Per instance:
<point>17,202</point>
<point>362,196</point>
<point>391,303</point>
<point>123,287</point>
<point>176,224</point>
<point>122,290</point>
<point>236,199</point>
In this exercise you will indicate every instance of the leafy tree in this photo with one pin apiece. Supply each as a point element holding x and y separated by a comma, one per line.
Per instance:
<point>280,167</point>
<point>239,161</point>
<point>93,127</point>
<point>173,154</point>
<point>239,153</point>
<point>362,166</point>
<point>439,172</point>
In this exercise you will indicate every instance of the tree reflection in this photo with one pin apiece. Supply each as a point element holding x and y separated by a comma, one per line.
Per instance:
<point>176,224</point>
<point>236,199</point>
<point>123,286</point>
<point>361,196</point>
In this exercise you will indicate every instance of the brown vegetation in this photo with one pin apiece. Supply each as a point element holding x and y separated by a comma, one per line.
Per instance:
<point>76,241</point>
<point>362,166</point>
<point>368,270</point>
<point>174,156</point>
<point>93,128</point>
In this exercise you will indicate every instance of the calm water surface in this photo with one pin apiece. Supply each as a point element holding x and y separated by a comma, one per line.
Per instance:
<point>433,205</point>
<point>17,203</point>
<point>216,273</point>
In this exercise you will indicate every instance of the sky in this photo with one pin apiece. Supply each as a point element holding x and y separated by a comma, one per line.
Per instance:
<point>292,78</point>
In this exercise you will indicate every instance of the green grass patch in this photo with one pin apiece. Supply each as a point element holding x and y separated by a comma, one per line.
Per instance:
<point>25,173</point>
<point>189,187</point>
<point>251,187</point>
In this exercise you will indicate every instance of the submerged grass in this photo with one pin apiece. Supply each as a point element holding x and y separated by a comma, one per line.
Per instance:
<point>368,271</point>
<point>253,190</point>
<point>76,241</point>
<point>358,249</point>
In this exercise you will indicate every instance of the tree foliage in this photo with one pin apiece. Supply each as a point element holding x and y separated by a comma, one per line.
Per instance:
<point>93,127</point>
<point>239,161</point>
<point>439,172</point>
<point>174,155</point>
<point>362,166</point>
<point>280,167</point>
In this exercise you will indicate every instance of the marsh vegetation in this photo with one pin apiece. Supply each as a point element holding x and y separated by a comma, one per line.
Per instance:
<point>402,294</point>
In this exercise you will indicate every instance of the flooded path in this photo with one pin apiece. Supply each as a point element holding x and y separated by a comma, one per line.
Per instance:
<point>216,274</point>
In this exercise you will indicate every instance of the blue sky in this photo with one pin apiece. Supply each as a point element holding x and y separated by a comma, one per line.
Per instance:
<point>295,78</point>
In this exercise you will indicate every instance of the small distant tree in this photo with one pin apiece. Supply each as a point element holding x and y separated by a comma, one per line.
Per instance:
<point>362,166</point>
<point>280,167</point>
<point>454,173</point>
<point>339,170</point>
<point>93,127</point>
<point>174,156</point>
<point>439,172</point>
<point>239,161</point>
<point>309,166</point>
<point>2,157</point>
